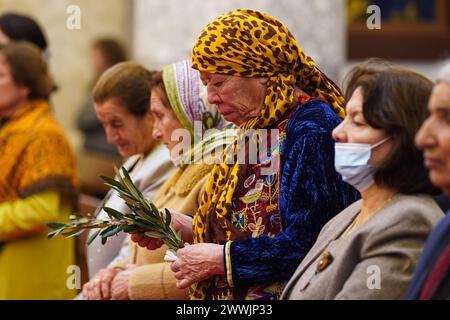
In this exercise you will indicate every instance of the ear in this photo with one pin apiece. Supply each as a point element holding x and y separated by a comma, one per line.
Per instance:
<point>24,91</point>
<point>263,81</point>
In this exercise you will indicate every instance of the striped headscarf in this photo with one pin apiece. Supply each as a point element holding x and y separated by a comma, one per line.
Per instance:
<point>189,100</point>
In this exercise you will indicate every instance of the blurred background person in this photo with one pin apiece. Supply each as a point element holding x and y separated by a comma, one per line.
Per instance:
<point>432,276</point>
<point>17,27</point>
<point>122,104</point>
<point>38,180</point>
<point>104,54</point>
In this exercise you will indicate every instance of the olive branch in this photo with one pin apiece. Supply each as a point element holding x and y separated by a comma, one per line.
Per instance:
<point>144,218</point>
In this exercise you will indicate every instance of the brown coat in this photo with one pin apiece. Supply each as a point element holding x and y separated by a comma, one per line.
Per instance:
<point>386,247</point>
<point>153,279</point>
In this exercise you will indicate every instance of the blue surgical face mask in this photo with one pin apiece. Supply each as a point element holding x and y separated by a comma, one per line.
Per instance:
<point>351,162</point>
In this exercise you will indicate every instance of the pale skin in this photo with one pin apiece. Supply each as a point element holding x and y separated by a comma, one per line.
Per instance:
<point>132,135</point>
<point>166,122</point>
<point>4,39</point>
<point>355,129</point>
<point>434,137</point>
<point>12,94</point>
<point>238,99</point>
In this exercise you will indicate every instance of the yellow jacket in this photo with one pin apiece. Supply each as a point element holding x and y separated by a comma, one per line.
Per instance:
<point>32,266</point>
<point>38,184</point>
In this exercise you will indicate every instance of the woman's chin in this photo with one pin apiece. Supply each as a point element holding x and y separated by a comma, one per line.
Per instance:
<point>125,152</point>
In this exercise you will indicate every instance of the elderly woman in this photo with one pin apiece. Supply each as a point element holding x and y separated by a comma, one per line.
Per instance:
<point>258,220</point>
<point>122,104</point>
<point>369,250</point>
<point>38,180</point>
<point>178,105</point>
<point>431,279</point>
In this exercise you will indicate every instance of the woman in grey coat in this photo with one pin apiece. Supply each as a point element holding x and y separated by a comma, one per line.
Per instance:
<point>369,250</point>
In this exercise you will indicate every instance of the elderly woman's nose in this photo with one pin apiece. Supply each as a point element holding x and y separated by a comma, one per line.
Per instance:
<point>424,137</point>
<point>339,134</point>
<point>156,134</point>
<point>213,97</point>
<point>111,137</point>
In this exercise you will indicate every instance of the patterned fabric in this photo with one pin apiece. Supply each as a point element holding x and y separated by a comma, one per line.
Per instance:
<point>310,191</point>
<point>251,44</point>
<point>189,100</point>
<point>434,248</point>
<point>437,276</point>
<point>35,155</point>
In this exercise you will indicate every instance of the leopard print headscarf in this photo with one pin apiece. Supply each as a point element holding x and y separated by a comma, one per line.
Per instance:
<point>248,43</point>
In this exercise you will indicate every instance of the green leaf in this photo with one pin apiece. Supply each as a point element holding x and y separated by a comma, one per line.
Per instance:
<point>54,233</point>
<point>112,213</point>
<point>113,183</point>
<point>56,225</point>
<point>129,229</point>
<point>112,232</point>
<point>168,218</point>
<point>141,225</point>
<point>152,234</point>
<point>106,230</point>
<point>93,236</point>
<point>73,233</point>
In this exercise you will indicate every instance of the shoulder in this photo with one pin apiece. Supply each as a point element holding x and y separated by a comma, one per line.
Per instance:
<point>314,116</point>
<point>193,177</point>
<point>408,210</point>
<point>406,217</point>
<point>152,170</point>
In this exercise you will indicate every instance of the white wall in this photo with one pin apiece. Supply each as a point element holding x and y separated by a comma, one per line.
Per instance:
<point>69,49</point>
<point>165,31</point>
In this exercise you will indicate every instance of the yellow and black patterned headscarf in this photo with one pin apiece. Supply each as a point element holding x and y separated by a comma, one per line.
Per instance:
<point>248,43</point>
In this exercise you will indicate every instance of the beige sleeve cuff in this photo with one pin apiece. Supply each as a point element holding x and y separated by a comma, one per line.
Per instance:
<point>155,282</point>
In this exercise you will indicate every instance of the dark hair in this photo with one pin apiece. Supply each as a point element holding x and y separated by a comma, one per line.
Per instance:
<point>23,28</point>
<point>129,83</point>
<point>395,100</point>
<point>28,68</point>
<point>112,50</point>
<point>158,83</point>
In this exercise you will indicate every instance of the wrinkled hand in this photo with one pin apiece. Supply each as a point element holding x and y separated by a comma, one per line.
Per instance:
<point>99,287</point>
<point>119,286</point>
<point>180,222</point>
<point>197,262</point>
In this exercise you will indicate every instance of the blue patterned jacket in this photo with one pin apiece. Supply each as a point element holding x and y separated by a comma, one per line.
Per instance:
<point>311,193</point>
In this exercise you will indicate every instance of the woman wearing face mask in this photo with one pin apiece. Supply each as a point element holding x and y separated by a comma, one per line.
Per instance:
<point>369,250</point>
<point>178,106</point>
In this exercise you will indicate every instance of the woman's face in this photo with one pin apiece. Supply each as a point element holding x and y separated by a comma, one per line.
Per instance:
<point>132,135</point>
<point>166,120</point>
<point>98,61</point>
<point>237,98</point>
<point>355,129</point>
<point>434,137</point>
<point>12,95</point>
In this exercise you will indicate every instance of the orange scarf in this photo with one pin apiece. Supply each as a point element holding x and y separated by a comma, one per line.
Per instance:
<point>35,155</point>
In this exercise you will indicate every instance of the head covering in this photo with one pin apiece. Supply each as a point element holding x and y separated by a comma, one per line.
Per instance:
<point>188,99</point>
<point>248,43</point>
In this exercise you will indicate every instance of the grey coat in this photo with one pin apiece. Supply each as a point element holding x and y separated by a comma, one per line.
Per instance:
<point>375,261</point>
